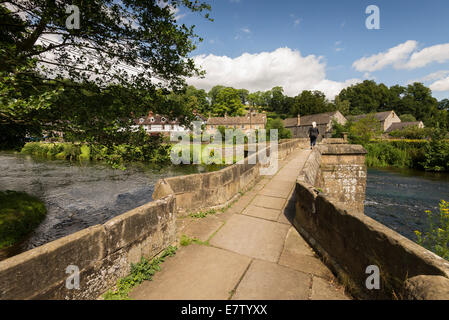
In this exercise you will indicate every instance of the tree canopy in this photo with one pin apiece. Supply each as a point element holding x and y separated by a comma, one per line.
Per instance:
<point>89,81</point>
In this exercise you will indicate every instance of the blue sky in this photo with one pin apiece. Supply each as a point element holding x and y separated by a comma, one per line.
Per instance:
<point>322,44</point>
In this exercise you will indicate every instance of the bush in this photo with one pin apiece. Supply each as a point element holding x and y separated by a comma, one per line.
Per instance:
<point>386,155</point>
<point>436,238</point>
<point>279,125</point>
<point>412,132</point>
<point>20,214</point>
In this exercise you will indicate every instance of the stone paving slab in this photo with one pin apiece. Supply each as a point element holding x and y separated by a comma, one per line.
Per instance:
<point>298,255</point>
<point>242,203</point>
<point>264,213</point>
<point>280,189</point>
<point>195,273</point>
<point>252,237</point>
<point>270,281</point>
<point>324,290</point>
<point>269,202</point>
<point>202,229</point>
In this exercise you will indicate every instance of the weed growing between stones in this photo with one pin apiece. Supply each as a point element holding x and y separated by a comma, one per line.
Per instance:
<point>144,270</point>
<point>186,240</point>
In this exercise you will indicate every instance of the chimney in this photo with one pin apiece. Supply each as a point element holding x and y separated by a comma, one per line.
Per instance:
<point>298,120</point>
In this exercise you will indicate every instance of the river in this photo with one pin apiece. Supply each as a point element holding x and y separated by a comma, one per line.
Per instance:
<point>77,195</point>
<point>398,198</point>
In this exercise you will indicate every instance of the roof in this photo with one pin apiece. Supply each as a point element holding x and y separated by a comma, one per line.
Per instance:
<point>402,125</point>
<point>257,118</point>
<point>381,116</point>
<point>319,118</point>
<point>155,119</point>
<point>290,122</point>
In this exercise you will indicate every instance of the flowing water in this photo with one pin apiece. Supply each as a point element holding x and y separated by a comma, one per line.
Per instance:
<point>77,195</point>
<point>399,198</point>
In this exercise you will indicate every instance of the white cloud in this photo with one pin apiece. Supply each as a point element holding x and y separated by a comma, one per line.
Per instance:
<point>440,85</point>
<point>395,56</point>
<point>297,22</point>
<point>246,30</point>
<point>404,56</point>
<point>438,53</point>
<point>262,71</point>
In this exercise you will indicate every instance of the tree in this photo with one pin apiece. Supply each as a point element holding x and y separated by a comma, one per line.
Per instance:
<point>47,68</point>
<point>213,93</point>
<point>278,125</point>
<point>419,102</point>
<point>443,104</point>
<point>309,102</point>
<point>366,97</point>
<point>342,105</point>
<point>243,93</point>
<point>363,130</point>
<point>227,102</point>
<point>407,118</point>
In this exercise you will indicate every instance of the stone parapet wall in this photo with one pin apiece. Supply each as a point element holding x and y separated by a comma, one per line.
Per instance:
<point>102,253</point>
<point>203,191</point>
<point>349,241</point>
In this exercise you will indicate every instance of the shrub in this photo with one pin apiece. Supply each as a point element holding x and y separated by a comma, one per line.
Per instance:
<point>436,238</point>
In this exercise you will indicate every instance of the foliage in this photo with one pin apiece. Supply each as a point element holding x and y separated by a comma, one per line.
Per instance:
<point>412,132</point>
<point>309,102</point>
<point>387,155</point>
<point>100,75</point>
<point>20,214</point>
<point>418,154</point>
<point>203,214</point>
<point>116,155</point>
<point>364,130</point>
<point>144,270</point>
<point>278,125</point>
<point>407,117</point>
<point>414,100</point>
<point>436,238</point>
<point>437,153</point>
<point>228,102</point>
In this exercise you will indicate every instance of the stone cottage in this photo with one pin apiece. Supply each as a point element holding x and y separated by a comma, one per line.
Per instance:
<point>300,125</point>
<point>250,121</point>
<point>386,118</point>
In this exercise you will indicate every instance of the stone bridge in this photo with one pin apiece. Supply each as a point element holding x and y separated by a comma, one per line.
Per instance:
<point>298,234</point>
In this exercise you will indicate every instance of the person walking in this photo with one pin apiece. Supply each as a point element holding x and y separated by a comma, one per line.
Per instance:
<point>313,134</point>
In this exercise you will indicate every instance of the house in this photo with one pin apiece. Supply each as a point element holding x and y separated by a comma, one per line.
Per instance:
<point>401,125</point>
<point>386,118</point>
<point>155,123</point>
<point>300,125</point>
<point>251,121</point>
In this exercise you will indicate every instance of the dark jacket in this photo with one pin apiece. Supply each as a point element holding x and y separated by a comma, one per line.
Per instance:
<point>313,132</point>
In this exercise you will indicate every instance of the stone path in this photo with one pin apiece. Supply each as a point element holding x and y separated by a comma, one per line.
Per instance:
<point>248,252</point>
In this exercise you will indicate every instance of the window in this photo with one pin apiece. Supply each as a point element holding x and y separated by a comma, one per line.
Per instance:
<point>141,120</point>
<point>211,127</point>
<point>163,119</point>
<point>152,119</point>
